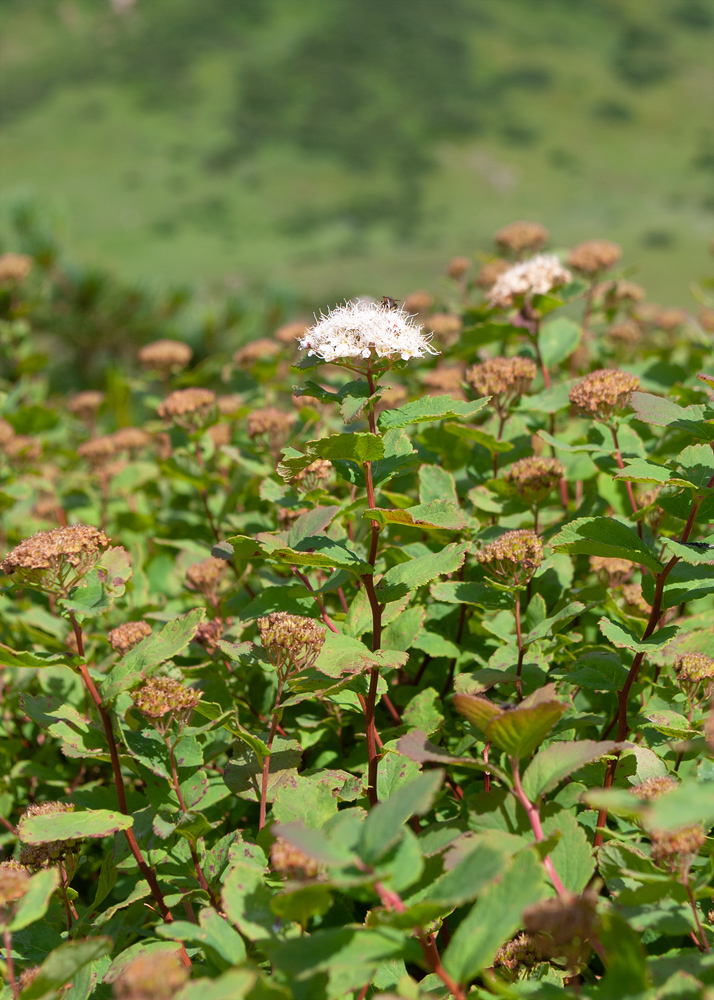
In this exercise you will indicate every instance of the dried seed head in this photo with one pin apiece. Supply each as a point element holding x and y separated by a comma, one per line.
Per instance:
<point>23,447</point>
<point>28,976</point>
<point>362,329</point>
<point>520,236</point>
<point>271,425</point>
<point>654,788</point>
<point>205,576</point>
<point>513,557</point>
<point>491,272</point>
<point>288,333</point>
<point>131,439</point>
<point>506,379</point>
<point>257,350</point>
<point>58,558</point>
<point>291,860</point>
<point>99,449</point>
<point>603,392</point>
<point>612,571</point>
<point>36,856</point>
<point>124,637</point>
<point>694,667</point>
<point>209,632</point>
<point>535,477</point>
<point>187,407</point>
<point>706,318</point>
<point>520,953</point>
<point>85,404</point>
<point>634,601</point>
<point>624,290</point>
<point>445,326</point>
<point>537,276</point>
<point>160,697</point>
<point>458,267</point>
<point>291,641</point>
<point>165,355</point>
<point>152,977</point>
<point>647,312</point>
<point>627,332</point>
<point>670,319</point>
<point>14,267</point>
<point>594,256</point>
<point>220,434</point>
<point>14,882</point>
<point>446,379</point>
<point>677,848</point>
<point>418,302</point>
<point>645,499</point>
<point>563,927</point>
<point>229,405</point>
<point>317,472</point>
<point>7,432</point>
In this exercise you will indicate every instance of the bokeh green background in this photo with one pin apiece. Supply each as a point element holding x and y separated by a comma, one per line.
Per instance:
<point>333,147</point>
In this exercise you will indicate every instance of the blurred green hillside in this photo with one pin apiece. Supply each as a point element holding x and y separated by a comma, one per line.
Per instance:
<point>342,146</point>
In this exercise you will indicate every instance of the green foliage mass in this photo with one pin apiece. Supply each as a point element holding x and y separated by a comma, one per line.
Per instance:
<point>384,677</point>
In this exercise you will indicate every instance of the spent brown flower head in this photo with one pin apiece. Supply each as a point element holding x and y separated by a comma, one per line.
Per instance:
<point>163,699</point>
<point>291,642</point>
<point>28,976</point>
<point>418,302</point>
<point>165,355</point>
<point>98,450</point>
<point>694,666</point>
<point>14,267</point>
<point>706,318</point>
<point>603,392</point>
<point>288,333</point>
<point>24,448</point>
<point>520,236</point>
<point>594,256</point>
<point>676,849</point>
<point>520,953</point>
<point>535,477</point>
<point>124,637</point>
<point>624,290</point>
<point>36,856</point>
<point>209,632</point>
<point>505,379</point>
<point>626,332</point>
<point>512,557</point>
<point>458,267</point>
<point>258,350</point>
<point>205,576</point>
<point>220,434</point>
<point>7,432</point>
<point>634,601</point>
<point>670,319</point>
<point>85,404</point>
<point>654,788</point>
<point>270,426</point>
<point>648,497</point>
<point>612,571</point>
<point>229,405</point>
<point>131,439</point>
<point>317,472</point>
<point>56,559</point>
<point>14,882</point>
<point>152,977</point>
<point>291,860</point>
<point>187,407</point>
<point>563,927</point>
<point>491,271</point>
<point>445,379</point>
<point>444,326</point>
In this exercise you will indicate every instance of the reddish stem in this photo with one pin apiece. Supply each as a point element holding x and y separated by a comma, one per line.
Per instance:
<point>266,762</point>
<point>534,820</point>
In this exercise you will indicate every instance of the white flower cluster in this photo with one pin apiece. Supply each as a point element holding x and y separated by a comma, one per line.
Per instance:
<point>536,276</point>
<point>360,329</point>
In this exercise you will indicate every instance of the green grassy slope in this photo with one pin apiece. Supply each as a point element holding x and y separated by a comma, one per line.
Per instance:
<point>325,145</point>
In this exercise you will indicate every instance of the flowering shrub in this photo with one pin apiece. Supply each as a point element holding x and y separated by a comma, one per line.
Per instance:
<point>387,675</point>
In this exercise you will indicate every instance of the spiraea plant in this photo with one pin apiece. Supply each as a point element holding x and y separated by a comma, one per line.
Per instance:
<point>367,657</point>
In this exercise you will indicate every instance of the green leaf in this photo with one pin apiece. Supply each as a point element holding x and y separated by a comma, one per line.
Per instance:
<point>471,592</point>
<point>29,658</point>
<point>436,483</point>
<point>625,638</point>
<point>302,903</point>
<point>604,536</point>
<point>235,984</point>
<point>436,514</point>
<point>33,905</point>
<point>479,436</point>
<point>626,972</point>
<point>319,550</point>
<point>555,763</point>
<point>213,935</point>
<point>147,656</point>
<point>557,340</point>
<point>496,917</point>
<point>310,523</point>
<point>695,553</point>
<point>599,669</point>
<point>383,826</point>
<point>470,876</point>
<point>573,853</point>
<point>63,964</point>
<point>666,413</point>
<point>47,827</point>
<point>306,800</point>
<point>246,901</point>
<point>416,747</point>
<point>405,577</point>
<point>356,446</point>
<point>430,408</point>
<point>689,803</point>
<point>519,732</point>
<point>639,470</point>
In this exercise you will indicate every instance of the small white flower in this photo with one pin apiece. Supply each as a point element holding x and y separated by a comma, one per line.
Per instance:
<point>536,276</point>
<point>360,329</point>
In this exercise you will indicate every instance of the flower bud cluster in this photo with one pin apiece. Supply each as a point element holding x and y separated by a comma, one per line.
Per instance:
<point>694,666</point>
<point>55,560</point>
<point>457,268</point>
<point>491,272</point>
<point>229,405</point>
<point>505,379</point>
<point>205,577</point>
<point>520,236</point>
<point>316,472</point>
<point>36,856</point>
<point>209,632</point>
<point>258,350</point>
<point>124,637</point>
<point>563,927</point>
<point>676,849</point>
<point>537,276</point>
<point>291,642</point>
<point>634,601</point>
<point>291,860</point>
<point>520,953</point>
<point>14,883</point>
<point>627,333</point>
<point>165,699</point>
<point>654,788</point>
<point>594,256</point>
<point>158,976</point>
<point>512,557</point>
<point>85,404</point>
<point>445,326</point>
<point>187,407</point>
<point>14,267</point>
<point>165,355</point>
<point>535,477</point>
<point>612,571</point>
<point>270,423</point>
<point>603,392</point>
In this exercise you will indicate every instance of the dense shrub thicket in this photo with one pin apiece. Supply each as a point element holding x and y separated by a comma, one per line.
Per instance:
<point>387,674</point>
